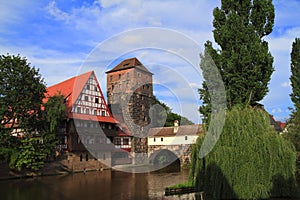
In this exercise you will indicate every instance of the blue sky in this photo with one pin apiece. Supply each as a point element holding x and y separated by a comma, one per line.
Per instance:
<point>62,38</point>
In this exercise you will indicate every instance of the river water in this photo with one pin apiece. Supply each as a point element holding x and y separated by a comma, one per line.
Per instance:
<point>104,185</point>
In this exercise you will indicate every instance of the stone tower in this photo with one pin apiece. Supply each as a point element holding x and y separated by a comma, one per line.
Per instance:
<point>129,96</point>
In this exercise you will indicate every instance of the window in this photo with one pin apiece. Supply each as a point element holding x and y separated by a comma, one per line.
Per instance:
<point>111,78</point>
<point>154,139</point>
<point>117,141</point>
<point>86,98</point>
<point>87,111</point>
<point>78,110</point>
<point>88,86</point>
<point>120,76</point>
<point>186,137</point>
<point>96,100</point>
<point>103,113</point>
<point>125,141</point>
<point>161,139</point>
<point>96,89</point>
<point>95,112</point>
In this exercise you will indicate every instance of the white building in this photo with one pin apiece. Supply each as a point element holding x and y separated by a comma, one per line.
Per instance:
<point>177,135</point>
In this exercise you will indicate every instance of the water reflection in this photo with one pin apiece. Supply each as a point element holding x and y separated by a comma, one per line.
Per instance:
<point>93,185</point>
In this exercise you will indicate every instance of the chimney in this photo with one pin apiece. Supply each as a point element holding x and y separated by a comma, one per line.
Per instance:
<point>176,124</point>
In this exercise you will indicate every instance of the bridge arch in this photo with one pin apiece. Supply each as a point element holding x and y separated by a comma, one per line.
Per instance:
<point>164,157</point>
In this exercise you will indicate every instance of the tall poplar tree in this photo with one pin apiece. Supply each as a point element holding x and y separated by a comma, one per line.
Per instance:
<point>295,77</point>
<point>243,57</point>
<point>293,133</point>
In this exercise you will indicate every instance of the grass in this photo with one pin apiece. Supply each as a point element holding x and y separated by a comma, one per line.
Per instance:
<point>182,185</point>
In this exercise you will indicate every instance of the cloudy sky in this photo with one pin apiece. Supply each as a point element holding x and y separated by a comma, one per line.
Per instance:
<point>64,38</point>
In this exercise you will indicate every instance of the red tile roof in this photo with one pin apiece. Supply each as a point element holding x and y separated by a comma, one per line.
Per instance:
<point>71,90</point>
<point>129,63</point>
<point>182,130</point>
<point>67,88</point>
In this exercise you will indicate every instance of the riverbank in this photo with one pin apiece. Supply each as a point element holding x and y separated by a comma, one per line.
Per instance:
<point>55,168</point>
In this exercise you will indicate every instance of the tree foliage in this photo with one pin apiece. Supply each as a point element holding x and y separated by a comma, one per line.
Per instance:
<point>164,116</point>
<point>28,156</point>
<point>21,93</point>
<point>249,161</point>
<point>243,57</point>
<point>54,117</point>
<point>295,77</point>
<point>293,126</point>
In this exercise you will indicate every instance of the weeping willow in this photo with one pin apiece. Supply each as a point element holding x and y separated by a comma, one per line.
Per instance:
<point>249,161</point>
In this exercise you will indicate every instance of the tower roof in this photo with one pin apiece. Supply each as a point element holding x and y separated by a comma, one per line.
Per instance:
<point>129,63</point>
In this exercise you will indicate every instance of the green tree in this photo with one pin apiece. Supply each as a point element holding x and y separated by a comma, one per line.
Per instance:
<point>54,118</point>
<point>243,57</point>
<point>249,161</point>
<point>295,77</point>
<point>163,115</point>
<point>21,93</point>
<point>293,126</point>
<point>28,156</point>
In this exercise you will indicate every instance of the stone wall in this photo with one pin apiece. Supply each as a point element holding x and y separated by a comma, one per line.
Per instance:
<point>84,161</point>
<point>183,152</point>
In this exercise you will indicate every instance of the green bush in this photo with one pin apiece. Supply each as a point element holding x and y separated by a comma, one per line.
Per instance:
<point>249,161</point>
<point>29,156</point>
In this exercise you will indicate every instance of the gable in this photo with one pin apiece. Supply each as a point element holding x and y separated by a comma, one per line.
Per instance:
<point>83,97</point>
<point>90,100</point>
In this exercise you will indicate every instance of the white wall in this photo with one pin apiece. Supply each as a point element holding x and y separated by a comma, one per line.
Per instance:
<point>174,140</point>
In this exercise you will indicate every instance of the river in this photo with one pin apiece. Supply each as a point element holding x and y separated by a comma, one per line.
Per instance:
<point>107,184</point>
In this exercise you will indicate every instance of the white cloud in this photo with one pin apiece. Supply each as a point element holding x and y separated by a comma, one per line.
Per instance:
<point>286,84</point>
<point>57,13</point>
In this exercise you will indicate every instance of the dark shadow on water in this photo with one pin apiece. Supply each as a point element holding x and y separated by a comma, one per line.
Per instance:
<point>173,167</point>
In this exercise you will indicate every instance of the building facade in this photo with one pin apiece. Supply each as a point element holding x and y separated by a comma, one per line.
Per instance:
<point>90,131</point>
